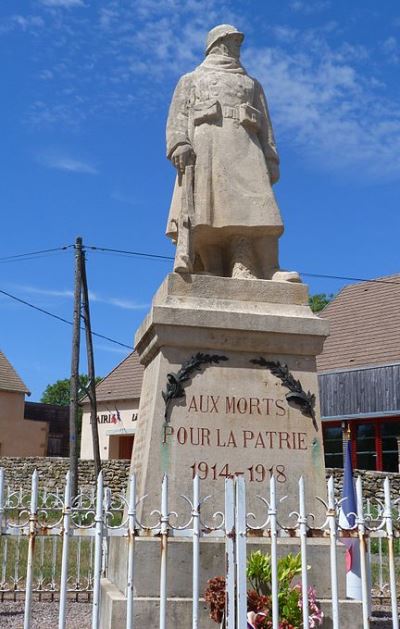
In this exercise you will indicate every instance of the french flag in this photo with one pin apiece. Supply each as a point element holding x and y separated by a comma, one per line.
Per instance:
<point>347,520</point>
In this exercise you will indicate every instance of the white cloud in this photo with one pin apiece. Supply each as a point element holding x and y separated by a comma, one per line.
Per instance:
<point>73,165</point>
<point>70,111</point>
<point>123,197</point>
<point>284,33</point>
<point>118,302</point>
<point>46,75</point>
<point>47,292</point>
<point>125,304</point>
<point>328,110</point>
<point>391,49</point>
<point>329,100</point>
<point>25,23</point>
<point>390,44</point>
<point>66,163</point>
<point>28,22</point>
<point>103,59</point>
<point>112,348</point>
<point>308,6</point>
<point>67,4</point>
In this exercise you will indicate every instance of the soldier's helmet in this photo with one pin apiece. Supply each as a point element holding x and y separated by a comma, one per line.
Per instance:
<point>219,32</point>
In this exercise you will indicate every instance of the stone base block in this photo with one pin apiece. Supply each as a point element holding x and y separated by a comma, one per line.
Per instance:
<point>147,610</point>
<point>226,313</point>
<point>179,611</point>
<point>212,564</point>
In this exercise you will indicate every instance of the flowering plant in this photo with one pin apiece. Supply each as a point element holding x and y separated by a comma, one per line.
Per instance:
<point>259,601</point>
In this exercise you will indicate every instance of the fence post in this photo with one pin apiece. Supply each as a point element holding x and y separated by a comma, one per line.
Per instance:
<point>4,544</point>
<point>1,498</point>
<point>196,552</point>
<point>98,552</point>
<point>131,552</point>
<point>331,516</point>
<point>164,552</point>
<point>65,549</point>
<point>274,552</point>
<point>240,527</point>
<point>303,550</point>
<point>31,548</point>
<point>230,554</point>
<point>392,572</point>
<point>363,560</point>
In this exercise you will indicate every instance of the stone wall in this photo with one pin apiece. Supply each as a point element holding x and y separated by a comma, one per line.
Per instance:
<point>372,482</point>
<point>52,471</point>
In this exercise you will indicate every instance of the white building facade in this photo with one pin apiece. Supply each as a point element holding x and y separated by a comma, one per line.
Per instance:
<point>118,396</point>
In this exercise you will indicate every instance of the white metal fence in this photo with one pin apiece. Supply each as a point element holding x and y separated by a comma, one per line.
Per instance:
<point>54,547</point>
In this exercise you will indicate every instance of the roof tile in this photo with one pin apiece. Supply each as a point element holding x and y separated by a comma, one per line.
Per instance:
<point>365,325</point>
<point>124,382</point>
<point>9,379</point>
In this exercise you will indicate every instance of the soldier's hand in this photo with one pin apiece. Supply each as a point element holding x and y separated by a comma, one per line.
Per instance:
<point>182,157</point>
<point>273,171</point>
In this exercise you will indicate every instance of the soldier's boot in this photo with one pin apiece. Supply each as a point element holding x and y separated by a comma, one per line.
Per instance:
<point>286,276</point>
<point>268,257</point>
<point>212,259</point>
<point>243,262</point>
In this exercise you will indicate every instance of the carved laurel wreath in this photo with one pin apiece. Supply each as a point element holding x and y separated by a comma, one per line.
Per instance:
<point>297,395</point>
<point>176,381</point>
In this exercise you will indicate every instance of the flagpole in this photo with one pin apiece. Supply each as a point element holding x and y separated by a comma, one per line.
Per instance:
<point>347,521</point>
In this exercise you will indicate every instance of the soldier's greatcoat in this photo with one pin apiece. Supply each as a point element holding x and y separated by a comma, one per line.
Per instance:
<point>233,144</point>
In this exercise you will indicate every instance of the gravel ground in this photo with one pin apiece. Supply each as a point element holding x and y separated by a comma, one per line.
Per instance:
<point>44,615</point>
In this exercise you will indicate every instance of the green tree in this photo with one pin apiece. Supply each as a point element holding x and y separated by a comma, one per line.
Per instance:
<point>59,392</point>
<point>319,301</point>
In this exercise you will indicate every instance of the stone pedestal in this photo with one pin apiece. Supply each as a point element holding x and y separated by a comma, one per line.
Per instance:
<point>234,416</point>
<point>212,563</point>
<point>229,416</point>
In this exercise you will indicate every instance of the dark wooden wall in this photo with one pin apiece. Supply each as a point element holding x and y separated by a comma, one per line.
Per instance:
<point>58,419</point>
<point>360,391</point>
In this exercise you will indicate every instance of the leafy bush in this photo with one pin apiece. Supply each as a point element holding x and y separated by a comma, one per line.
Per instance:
<point>259,603</point>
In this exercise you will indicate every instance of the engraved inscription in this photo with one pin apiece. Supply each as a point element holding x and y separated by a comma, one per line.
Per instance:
<point>218,435</point>
<point>255,473</point>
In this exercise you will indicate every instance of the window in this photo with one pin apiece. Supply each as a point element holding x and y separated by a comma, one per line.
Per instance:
<point>374,444</point>
<point>390,431</point>
<point>365,446</point>
<point>333,446</point>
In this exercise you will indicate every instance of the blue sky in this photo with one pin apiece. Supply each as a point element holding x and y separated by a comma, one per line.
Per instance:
<point>86,89</point>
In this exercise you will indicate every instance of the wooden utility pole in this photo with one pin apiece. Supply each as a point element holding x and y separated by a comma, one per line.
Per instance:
<point>74,382</point>
<point>91,388</point>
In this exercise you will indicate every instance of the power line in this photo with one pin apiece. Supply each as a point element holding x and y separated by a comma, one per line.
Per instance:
<point>350,279</point>
<point>130,253</point>
<point>54,316</point>
<point>317,275</point>
<point>27,258</point>
<point>144,254</point>
<point>35,253</point>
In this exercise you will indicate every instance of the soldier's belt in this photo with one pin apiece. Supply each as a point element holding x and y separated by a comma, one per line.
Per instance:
<point>246,115</point>
<point>209,111</point>
<point>230,112</point>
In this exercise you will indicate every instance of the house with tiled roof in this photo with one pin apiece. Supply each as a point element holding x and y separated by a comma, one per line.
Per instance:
<point>118,396</point>
<point>18,436</point>
<point>359,375</point>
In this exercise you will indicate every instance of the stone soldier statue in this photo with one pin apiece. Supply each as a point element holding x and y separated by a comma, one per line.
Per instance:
<point>224,216</point>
